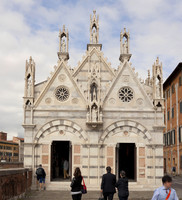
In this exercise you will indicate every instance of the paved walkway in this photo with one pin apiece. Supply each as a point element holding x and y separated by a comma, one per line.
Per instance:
<point>91,195</point>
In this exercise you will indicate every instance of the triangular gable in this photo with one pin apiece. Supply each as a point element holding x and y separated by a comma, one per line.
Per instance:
<point>134,79</point>
<point>61,66</point>
<point>85,59</point>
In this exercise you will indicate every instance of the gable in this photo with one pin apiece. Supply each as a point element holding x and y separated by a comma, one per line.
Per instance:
<point>60,90</point>
<point>134,97</point>
<point>83,71</point>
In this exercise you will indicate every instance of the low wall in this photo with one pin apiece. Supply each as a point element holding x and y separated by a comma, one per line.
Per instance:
<point>7,165</point>
<point>14,182</point>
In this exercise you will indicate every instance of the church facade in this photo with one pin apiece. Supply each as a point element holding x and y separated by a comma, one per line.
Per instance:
<point>95,116</point>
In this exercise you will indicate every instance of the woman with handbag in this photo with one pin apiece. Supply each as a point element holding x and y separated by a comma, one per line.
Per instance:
<point>122,186</point>
<point>76,186</point>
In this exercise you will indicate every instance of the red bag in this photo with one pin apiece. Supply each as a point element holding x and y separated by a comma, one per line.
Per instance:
<point>84,188</point>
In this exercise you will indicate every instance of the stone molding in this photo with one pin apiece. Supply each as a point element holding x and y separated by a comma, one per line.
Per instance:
<point>55,124</point>
<point>136,127</point>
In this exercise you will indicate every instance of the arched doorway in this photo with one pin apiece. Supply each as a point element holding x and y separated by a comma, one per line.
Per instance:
<point>61,151</point>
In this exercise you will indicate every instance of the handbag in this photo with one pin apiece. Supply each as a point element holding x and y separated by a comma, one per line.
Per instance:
<point>101,196</point>
<point>84,188</point>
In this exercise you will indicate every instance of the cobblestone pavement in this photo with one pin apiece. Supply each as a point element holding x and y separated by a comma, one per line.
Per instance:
<point>94,195</point>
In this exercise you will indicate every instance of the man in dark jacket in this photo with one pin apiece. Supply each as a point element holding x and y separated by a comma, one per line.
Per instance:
<point>108,184</point>
<point>40,172</point>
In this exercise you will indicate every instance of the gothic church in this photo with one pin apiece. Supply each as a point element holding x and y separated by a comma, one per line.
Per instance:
<point>95,116</point>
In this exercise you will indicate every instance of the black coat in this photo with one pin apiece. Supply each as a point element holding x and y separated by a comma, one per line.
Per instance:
<point>40,172</point>
<point>108,183</point>
<point>122,186</point>
<point>76,184</point>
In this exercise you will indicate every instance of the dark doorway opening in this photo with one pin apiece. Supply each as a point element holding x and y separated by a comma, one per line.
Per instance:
<point>126,159</point>
<point>60,151</point>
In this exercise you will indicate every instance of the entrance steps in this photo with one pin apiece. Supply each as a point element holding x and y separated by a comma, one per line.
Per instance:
<point>91,195</point>
<point>65,186</point>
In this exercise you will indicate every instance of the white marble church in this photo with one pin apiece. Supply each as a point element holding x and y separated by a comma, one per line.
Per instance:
<point>95,115</point>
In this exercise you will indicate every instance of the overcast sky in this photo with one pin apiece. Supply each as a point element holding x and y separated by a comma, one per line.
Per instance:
<point>31,27</point>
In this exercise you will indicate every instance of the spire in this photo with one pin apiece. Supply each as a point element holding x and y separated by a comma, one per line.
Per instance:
<point>157,82</point>
<point>94,32</point>
<point>124,46</point>
<point>94,28</point>
<point>29,82</point>
<point>63,44</point>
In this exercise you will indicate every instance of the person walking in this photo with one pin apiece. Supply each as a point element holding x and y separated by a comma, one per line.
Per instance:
<point>165,192</point>
<point>65,168</point>
<point>174,170</point>
<point>122,186</point>
<point>40,172</point>
<point>76,185</point>
<point>108,184</point>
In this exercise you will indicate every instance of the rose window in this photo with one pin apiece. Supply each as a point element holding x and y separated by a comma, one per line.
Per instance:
<point>62,93</point>
<point>125,94</point>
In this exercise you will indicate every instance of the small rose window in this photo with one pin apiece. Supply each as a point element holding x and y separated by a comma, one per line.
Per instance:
<point>125,94</point>
<point>62,93</point>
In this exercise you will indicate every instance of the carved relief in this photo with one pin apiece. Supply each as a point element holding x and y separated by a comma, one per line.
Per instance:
<point>48,100</point>
<point>140,101</point>
<point>75,100</point>
<point>112,101</point>
<point>126,78</point>
<point>62,77</point>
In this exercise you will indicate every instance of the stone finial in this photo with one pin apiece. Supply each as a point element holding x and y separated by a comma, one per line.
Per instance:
<point>94,32</point>
<point>94,28</point>
<point>63,44</point>
<point>149,74</point>
<point>124,46</point>
<point>157,83</point>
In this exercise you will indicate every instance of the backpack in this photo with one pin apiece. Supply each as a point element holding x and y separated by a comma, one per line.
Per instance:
<point>39,172</point>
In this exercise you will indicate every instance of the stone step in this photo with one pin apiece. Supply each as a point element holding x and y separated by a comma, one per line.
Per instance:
<point>91,195</point>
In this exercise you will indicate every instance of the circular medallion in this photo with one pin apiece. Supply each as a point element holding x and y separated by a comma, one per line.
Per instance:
<point>112,101</point>
<point>61,77</point>
<point>48,100</point>
<point>140,101</point>
<point>75,100</point>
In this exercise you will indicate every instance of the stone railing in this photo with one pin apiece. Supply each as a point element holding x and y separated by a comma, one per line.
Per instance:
<point>7,165</point>
<point>14,182</point>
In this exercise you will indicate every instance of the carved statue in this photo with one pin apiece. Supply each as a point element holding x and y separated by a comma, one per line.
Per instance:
<point>125,47</point>
<point>94,114</point>
<point>100,116</point>
<point>94,37</point>
<point>29,88</point>
<point>88,116</point>
<point>157,91</point>
<point>63,46</point>
<point>93,92</point>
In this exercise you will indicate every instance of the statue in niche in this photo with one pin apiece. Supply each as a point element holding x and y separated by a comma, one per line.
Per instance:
<point>100,116</point>
<point>93,92</point>
<point>63,45</point>
<point>94,37</point>
<point>29,93</point>
<point>125,47</point>
<point>94,114</point>
<point>96,67</point>
<point>88,116</point>
<point>157,91</point>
